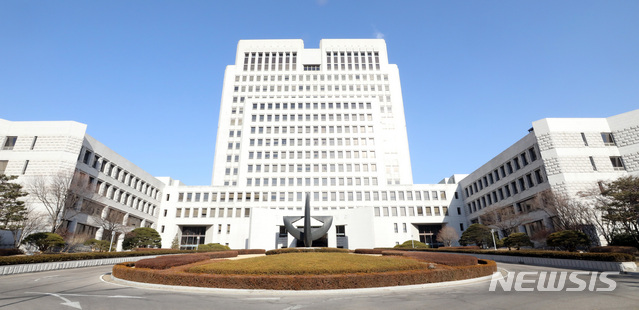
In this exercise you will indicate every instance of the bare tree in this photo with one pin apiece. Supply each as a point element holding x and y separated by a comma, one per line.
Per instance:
<point>59,194</point>
<point>598,204</point>
<point>34,222</point>
<point>112,222</point>
<point>447,235</point>
<point>504,219</point>
<point>574,214</point>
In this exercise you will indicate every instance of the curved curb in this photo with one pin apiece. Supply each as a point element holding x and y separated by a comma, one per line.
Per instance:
<point>48,266</point>
<point>108,277</point>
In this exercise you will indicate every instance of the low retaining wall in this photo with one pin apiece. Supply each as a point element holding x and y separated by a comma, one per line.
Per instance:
<point>26,268</point>
<point>558,262</point>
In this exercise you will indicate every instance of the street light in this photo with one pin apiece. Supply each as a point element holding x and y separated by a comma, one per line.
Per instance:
<point>492,233</point>
<point>412,240</point>
<point>112,236</point>
<point>197,246</point>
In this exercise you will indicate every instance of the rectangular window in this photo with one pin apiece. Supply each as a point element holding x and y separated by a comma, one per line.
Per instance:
<point>3,166</point>
<point>608,138</point>
<point>592,163</point>
<point>26,164</point>
<point>538,176</point>
<point>583,137</point>
<point>617,163</point>
<point>9,143</point>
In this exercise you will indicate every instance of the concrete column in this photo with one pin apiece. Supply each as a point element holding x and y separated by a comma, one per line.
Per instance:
<point>121,237</point>
<point>99,233</point>
<point>71,226</point>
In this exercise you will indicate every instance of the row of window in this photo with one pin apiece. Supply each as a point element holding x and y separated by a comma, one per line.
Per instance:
<point>304,129</point>
<point>314,105</point>
<point>352,60</point>
<point>514,164</point>
<point>412,211</point>
<point>315,117</point>
<point>309,77</point>
<point>119,195</point>
<point>521,184</point>
<point>273,61</point>
<point>312,87</point>
<point>307,154</point>
<point>103,165</point>
<point>380,97</point>
<point>315,168</point>
<point>256,196</point>
<point>315,142</point>
<point>363,181</point>
<point>210,212</point>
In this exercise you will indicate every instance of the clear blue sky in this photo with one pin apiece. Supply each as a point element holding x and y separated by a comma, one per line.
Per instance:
<point>146,76</point>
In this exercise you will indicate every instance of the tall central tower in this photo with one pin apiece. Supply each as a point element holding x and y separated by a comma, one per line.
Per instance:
<point>296,117</point>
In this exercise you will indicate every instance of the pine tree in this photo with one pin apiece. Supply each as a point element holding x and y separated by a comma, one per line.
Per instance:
<point>13,211</point>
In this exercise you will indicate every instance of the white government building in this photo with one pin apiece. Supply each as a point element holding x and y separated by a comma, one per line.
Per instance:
<point>328,122</point>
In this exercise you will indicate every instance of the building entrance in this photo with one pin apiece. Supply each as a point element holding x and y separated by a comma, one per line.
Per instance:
<point>428,233</point>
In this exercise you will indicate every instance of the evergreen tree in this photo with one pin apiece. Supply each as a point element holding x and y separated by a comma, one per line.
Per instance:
<point>13,211</point>
<point>143,237</point>
<point>623,207</point>
<point>477,234</point>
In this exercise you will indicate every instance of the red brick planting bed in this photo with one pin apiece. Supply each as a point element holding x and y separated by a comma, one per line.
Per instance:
<point>179,276</point>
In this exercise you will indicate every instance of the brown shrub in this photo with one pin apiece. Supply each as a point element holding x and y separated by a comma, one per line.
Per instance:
<point>10,252</point>
<point>250,251</point>
<point>368,251</point>
<point>468,247</point>
<point>152,249</point>
<point>614,249</point>
<point>306,250</point>
<point>438,258</point>
<point>165,262</point>
<point>177,276</point>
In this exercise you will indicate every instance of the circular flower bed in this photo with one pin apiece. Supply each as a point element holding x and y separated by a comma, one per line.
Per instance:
<point>307,271</point>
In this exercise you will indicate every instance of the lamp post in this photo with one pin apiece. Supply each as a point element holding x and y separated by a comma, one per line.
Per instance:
<point>492,233</point>
<point>112,236</point>
<point>412,240</point>
<point>197,246</point>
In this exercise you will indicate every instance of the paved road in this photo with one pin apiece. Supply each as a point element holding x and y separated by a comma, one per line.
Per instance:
<point>84,289</point>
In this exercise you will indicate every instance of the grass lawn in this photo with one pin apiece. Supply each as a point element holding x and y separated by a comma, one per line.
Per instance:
<point>310,264</point>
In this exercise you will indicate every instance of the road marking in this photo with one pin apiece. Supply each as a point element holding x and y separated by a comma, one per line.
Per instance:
<point>68,303</point>
<point>104,296</point>
<point>38,279</point>
<point>294,307</point>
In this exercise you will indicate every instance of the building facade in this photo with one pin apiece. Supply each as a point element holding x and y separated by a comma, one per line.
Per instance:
<point>328,123</point>
<point>568,156</point>
<point>109,187</point>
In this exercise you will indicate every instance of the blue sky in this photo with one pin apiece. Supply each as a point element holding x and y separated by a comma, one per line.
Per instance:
<point>146,76</point>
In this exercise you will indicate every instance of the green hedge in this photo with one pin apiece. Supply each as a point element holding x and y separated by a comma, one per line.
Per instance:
<point>46,258</point>
<point>605,257</point>
<point>306,250</point>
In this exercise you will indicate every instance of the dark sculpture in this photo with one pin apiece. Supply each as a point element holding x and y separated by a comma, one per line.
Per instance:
<point>309,234</point>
